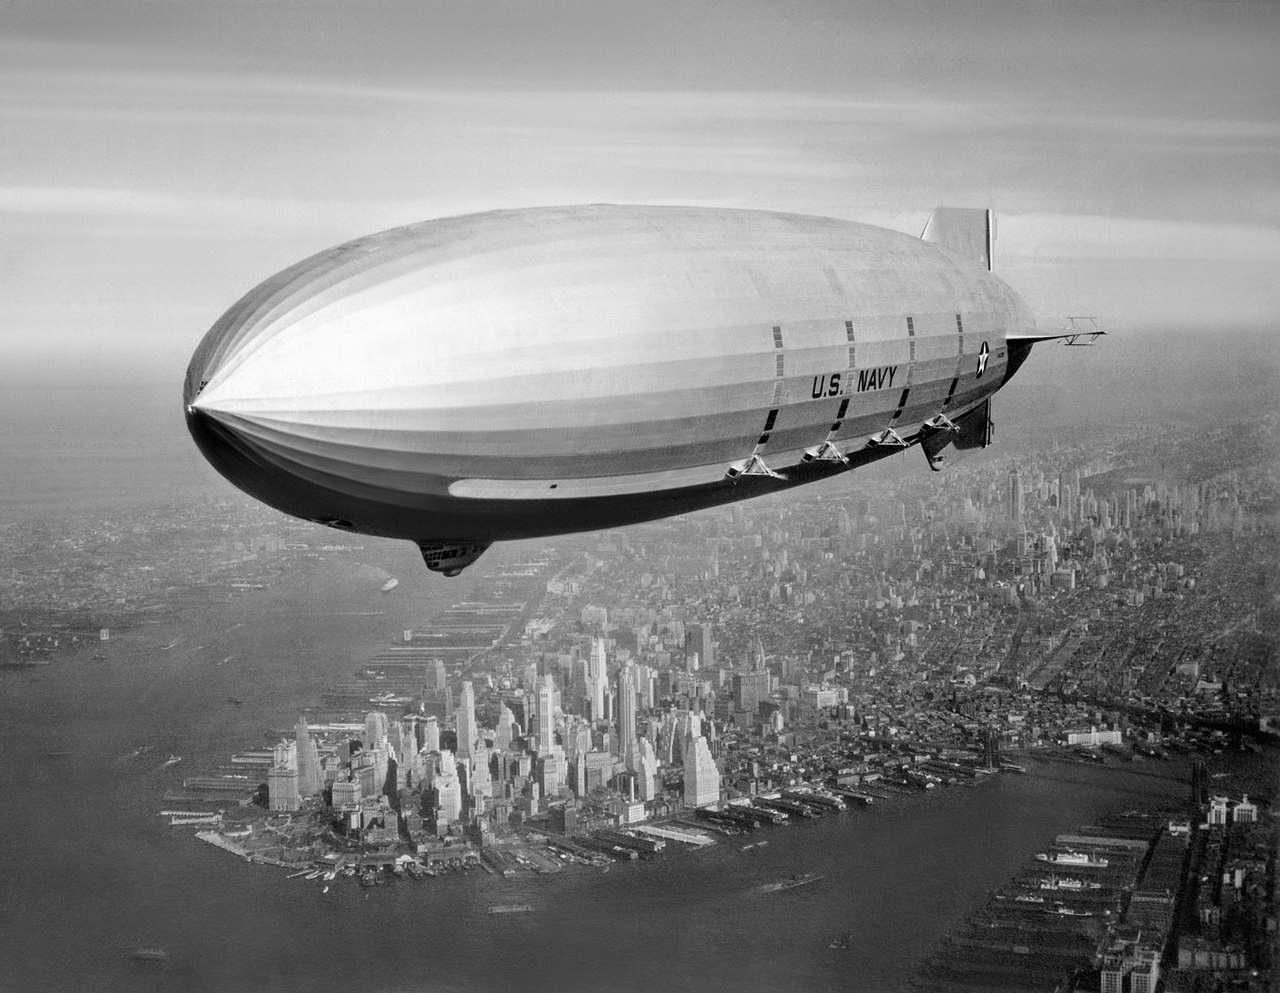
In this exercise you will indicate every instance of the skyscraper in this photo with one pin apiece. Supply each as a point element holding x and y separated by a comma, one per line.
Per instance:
<point>481,779</point>
<point>431,735</point>
<point>308,760</point>
<point>448,790</point>
<point>466,721</point>
<point>597,680</point>
<point>505,732</point>
<point>749,689</point>
<point>701,777</point>
<point>644,687</point>
<point>282,777</point>
<point>546,720</point>
<point>1066,499</point>
<point>375,728</point>
<point>626,715</point>
<point>282,788</point>
<point>697,640</point>
<point>646,770</point>
<point>1015,496</point>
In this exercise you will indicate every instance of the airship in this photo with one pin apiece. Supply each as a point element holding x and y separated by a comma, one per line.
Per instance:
<point>533,372</point>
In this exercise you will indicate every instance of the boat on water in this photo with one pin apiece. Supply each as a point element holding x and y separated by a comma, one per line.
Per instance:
<point>1067,883</point>
<point>842,942</point>
<point>1073,858</point>
<point>1064,911</point>
<point>511,908</point>
<point>754,844</point>
<point>150,954</point>
<point>171,760</point>
<point>390,585</point>
<point>790,882</point>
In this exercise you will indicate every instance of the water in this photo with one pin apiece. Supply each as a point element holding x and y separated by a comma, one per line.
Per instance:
<point>73,449</point>
<point>92,873</point>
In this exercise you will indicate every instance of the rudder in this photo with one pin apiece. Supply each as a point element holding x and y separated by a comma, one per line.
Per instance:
<point>968,231</point>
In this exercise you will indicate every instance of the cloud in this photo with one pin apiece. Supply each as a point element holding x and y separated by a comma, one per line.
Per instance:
<point>1050,236</point>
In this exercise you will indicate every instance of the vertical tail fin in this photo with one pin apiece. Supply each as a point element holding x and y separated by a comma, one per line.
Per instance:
<point>968,231</point>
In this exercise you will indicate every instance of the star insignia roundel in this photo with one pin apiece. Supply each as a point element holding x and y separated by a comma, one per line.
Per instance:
<point>983,354</point>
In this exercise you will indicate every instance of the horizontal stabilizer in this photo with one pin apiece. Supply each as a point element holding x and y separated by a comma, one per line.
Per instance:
<point>1078,329</point>
<point>968,231</point>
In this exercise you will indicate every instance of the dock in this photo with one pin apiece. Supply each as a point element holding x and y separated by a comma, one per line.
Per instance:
<point>671,834</point>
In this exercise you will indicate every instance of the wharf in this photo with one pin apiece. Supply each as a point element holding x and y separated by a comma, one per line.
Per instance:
<point>217,784</point>
<point>818,801</point>
<point>688,837</point>
<point>718,825</point>
<point>790,807</point>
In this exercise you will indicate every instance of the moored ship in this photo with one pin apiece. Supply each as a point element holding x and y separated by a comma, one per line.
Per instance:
<point>1073,858</point>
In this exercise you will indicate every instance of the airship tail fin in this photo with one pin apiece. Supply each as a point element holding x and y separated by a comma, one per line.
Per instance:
<point>969,231</point>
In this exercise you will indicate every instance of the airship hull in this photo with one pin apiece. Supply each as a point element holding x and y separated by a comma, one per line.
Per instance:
<point>533,372</point>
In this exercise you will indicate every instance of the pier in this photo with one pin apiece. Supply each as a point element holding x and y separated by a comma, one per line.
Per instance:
<point>672,834</point>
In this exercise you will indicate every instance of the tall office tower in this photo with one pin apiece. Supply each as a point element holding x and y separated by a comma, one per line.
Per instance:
<point>749,689</point>
<point>308,759</point>
<point>546,718</point>
<point>647,770</point>
<point>448,789</point>
<point>1051,553</point>
<point>381,762</point>
<point>549,774</point>
<point>578,773</point>
<point>466,718</point>
<point>529,679</point>
<point>627,715</point>
<point>505,732</point>
<point>597,680</point>
<point>644,688</point>
<point>431,735</point>
<point>701,777</point>
<point>439,678</point>
<point>692,725</point>
<point>1066,498</point>
<point>1015,496</point>
<point>282,788</point>
<point>285,754</point>
<point>375,728</point>
<point>481,779</point>
<point>430,767</point>
<point>579,681</point>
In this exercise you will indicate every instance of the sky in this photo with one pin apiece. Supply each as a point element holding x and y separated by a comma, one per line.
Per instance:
<point>161,157</point>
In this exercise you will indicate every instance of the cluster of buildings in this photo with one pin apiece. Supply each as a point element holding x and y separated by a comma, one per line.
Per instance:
<point>686,662</point>
<point>596,739</point>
